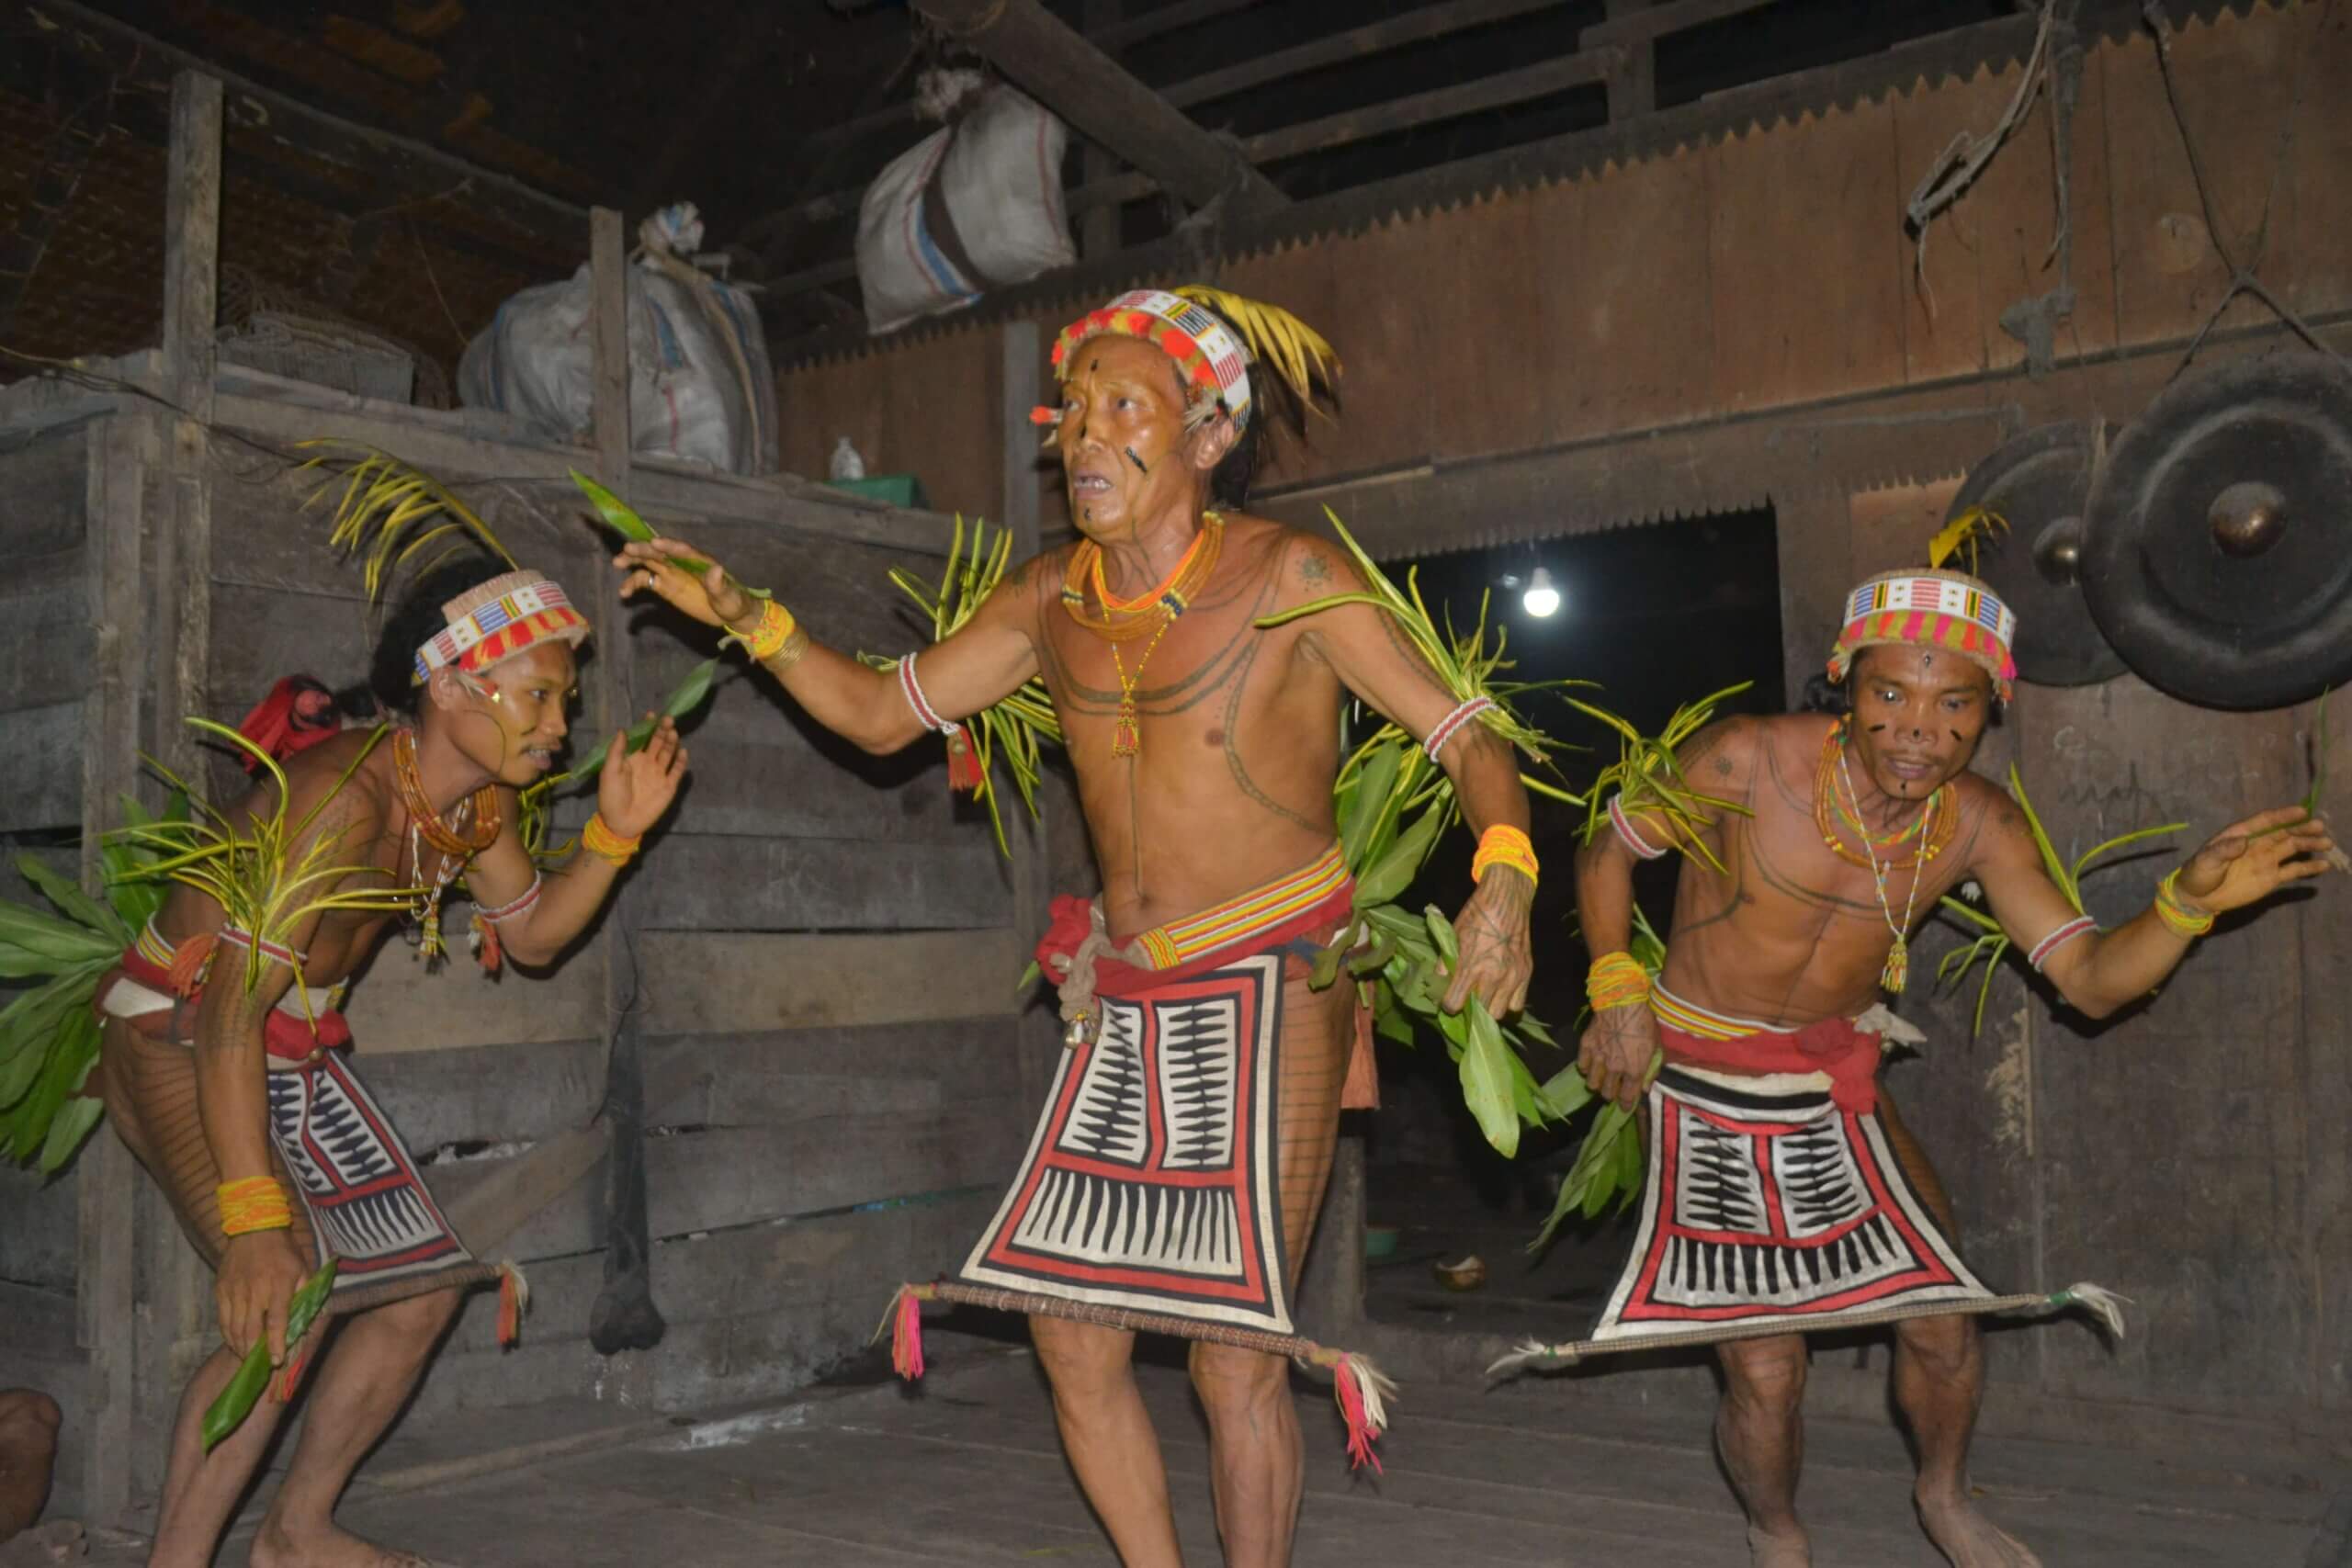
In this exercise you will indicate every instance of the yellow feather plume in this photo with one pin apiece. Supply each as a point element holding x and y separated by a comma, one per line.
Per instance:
<point>1964,533</point>
<point>1298,352</point>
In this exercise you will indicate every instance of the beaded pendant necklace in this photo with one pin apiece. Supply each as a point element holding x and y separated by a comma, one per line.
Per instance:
<point>1898,957</point>
<point>1151,614</point>
<point>1829,813</point>
<point>468,830</point>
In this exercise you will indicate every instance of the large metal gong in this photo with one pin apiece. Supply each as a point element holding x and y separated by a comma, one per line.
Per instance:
<point>2217,545</point>
<point>2037,483</point>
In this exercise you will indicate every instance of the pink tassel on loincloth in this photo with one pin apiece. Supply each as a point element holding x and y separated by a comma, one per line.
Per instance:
<point>1362,1393</point>
<point>906,1335</point>
<point>514,1300</point>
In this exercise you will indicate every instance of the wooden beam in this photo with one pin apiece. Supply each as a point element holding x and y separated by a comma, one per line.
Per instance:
<point>1098,233</point>
<point>142,61</point>
<point>1632,86</point>
<point>191,310</point>
<point>1429,108</point>
<point>1022,357</point>
<point>1629,23</point>
<point>1354,43</point>
<point>1085,87</point>
<point>1163,19</point>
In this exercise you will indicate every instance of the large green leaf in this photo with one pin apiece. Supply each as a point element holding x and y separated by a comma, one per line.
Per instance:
<point>90,913</point>
<point>1369,796</point>
<point>60,1075</point>
<point>1397,867</point>
<point>1486,1081</point>
<point>46,936</point>
<point>67,1132</point>
<point>29,1027</point>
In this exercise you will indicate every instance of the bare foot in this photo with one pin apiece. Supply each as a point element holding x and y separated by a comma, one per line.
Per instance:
<point>1769,1550</point>
<point>60,1540</point>
<point>1968,1538</point>
<point>275,1548</point>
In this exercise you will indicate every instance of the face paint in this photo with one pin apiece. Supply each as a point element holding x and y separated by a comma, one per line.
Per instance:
<point>1878,729</point>
<point>1139,462</point>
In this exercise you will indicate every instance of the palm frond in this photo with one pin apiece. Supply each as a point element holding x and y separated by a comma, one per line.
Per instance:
<point>1647,776</point>
<point>381,498</point>
<point>1013,727</point>
<point>1295,351</point>
<point>1965,534</point>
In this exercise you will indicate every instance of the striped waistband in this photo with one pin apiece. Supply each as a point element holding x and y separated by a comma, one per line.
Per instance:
<point>1693,1020</point>
<point>1237,920</point>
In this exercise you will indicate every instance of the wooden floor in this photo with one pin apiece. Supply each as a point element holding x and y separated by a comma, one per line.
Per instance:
<point>969,1470</point>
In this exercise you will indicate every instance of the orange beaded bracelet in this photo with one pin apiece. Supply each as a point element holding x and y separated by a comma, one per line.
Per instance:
<point>1503,845</point>
<point>255,1203</point>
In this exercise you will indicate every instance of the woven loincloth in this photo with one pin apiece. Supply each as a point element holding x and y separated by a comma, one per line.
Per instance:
<point>365,1201</point>
<point>1150,1181</point>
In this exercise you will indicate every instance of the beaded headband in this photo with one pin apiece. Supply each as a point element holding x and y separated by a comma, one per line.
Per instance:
<point>1927,608</point>
<point>1212,360</point>
<point>491,624</point>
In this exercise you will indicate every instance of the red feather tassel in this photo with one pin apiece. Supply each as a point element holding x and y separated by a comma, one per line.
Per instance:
<point>512,1296</point>
<point>1363,1429</point>
<point>906,1335</point>
<point>487,947</point>
<point>189,961</point>
<point>963,763</point>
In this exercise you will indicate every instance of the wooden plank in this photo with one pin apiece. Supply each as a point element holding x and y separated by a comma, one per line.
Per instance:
<point>2192,1205</point>
<point>191,305</point>
<point>1636,22</point>
<point>1102,102</point>
<point>1636,238</point>
<point>451,454</point>
<point>48,475</point>
<point>702,882</point>
<point>399,1006</point>
<point>773,1076</point>
<point>549,1203</point>
<point>41,779</point>
<point>40,1245</point>
<point>720,982</point>
<point>46,637</point>
<point>1434,107</point>
<point>1163,19</point>
<point>1794,204</point>
<point>1419,26</point>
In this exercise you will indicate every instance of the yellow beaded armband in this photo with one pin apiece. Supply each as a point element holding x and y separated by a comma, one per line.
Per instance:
<point>2178,918</point>
<point>1616,980</point>
<point>775,628</point>
<point>1503,845</point>
<point>256,1203</point>
<point>602,842</point>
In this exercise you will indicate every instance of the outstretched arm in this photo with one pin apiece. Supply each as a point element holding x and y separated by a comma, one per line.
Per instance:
<point>987,660</point>
<point>537,920</point>
<point>2099,972</point>
<point>1375,661</point>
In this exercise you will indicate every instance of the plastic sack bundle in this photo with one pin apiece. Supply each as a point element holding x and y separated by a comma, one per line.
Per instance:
<point>975,205</point>
<point>700,387</point>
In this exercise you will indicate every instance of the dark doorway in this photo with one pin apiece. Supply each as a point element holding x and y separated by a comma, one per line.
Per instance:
<point>1658,616</point>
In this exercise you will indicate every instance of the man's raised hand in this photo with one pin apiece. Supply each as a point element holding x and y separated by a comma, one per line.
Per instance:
<point>634,788</point>
<point>715,598</point>
<point>2247,863</point>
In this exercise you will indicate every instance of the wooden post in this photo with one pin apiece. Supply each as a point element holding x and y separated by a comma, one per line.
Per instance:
<point>1632,85</point>
<point>170,611</point>
<point>108,1176</point>
<point>624,1316</point>
<point>1098,230</point>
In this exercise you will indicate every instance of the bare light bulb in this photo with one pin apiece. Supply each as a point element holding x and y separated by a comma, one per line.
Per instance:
<point>1542,598</point>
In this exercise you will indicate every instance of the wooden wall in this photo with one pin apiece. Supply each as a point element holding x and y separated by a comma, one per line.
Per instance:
<point>827,959</point>
<point>1761,268</point>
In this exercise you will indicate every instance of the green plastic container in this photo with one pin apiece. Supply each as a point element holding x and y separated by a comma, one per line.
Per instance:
<point>899,490</point>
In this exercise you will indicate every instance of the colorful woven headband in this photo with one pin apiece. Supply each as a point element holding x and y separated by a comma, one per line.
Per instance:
<point>1931,609</point>
<point>491,624</point>
<point>1210,357</point>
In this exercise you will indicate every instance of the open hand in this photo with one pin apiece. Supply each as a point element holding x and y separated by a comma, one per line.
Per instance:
<point>1494,954</point>
<point>2246,864</point>
<point>1615,1055</point>
<point>633,790</point>
<point>254,1289</point>
<point>714,598</point>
